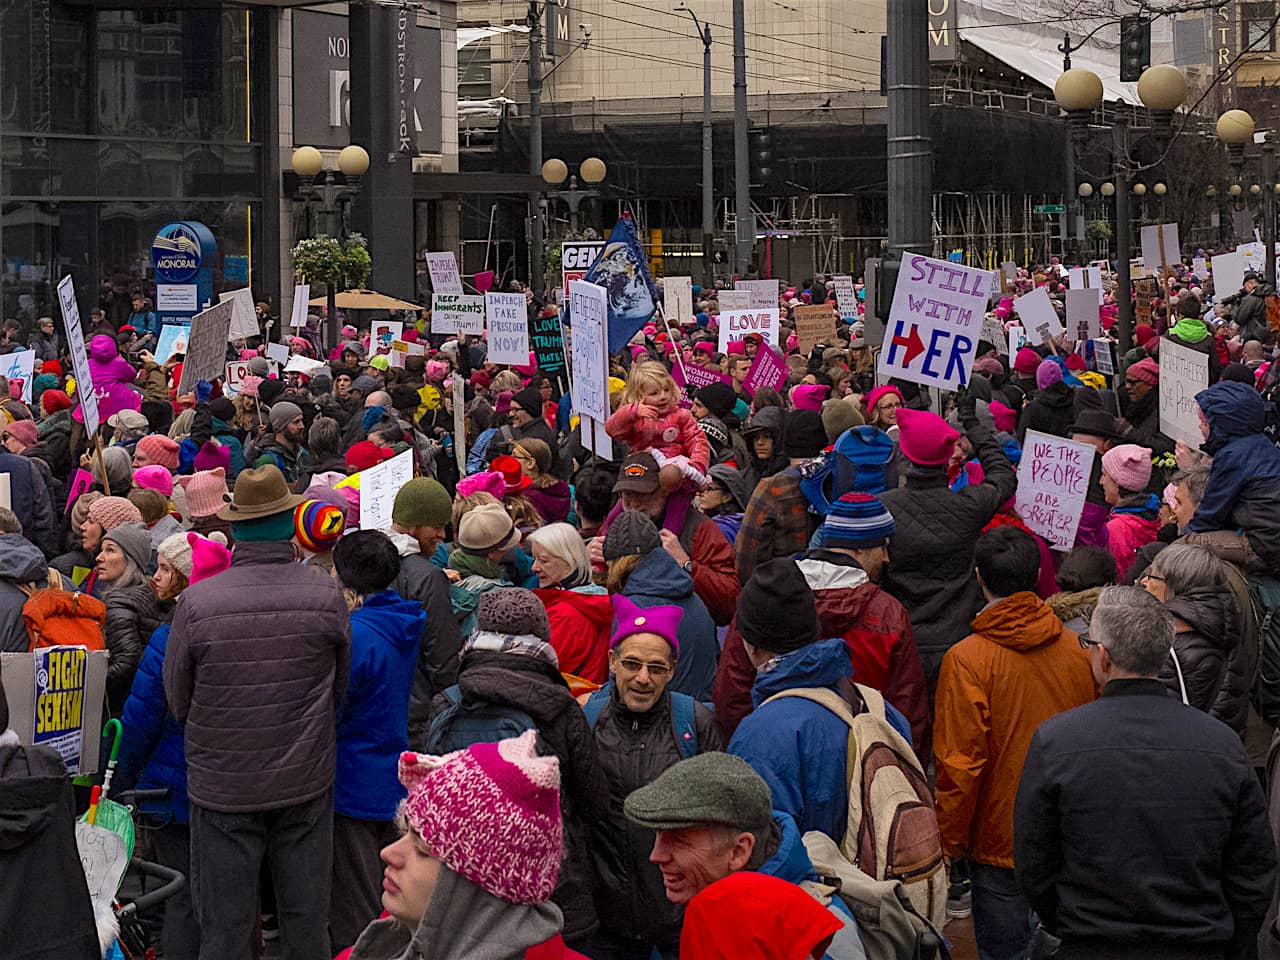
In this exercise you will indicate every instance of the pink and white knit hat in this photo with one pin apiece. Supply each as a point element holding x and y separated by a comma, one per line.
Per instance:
<point>491,813</point>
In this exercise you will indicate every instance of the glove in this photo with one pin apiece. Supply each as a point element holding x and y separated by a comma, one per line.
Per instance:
<point>204,390</point>
<point>967,410</point>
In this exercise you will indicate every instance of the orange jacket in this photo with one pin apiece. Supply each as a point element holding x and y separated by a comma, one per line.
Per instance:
<point>1018,668</point>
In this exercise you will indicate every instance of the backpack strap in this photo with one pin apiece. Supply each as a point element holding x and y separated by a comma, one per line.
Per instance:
<point>683,725</point>
<point>596,703</point>
<point>874,701</point>
<point>454,696</point>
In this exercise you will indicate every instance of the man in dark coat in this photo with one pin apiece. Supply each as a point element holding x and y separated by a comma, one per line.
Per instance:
<point>258,657</point>
<point>1250,314</point>
<point>1140,828</point>
<point>935,530</point>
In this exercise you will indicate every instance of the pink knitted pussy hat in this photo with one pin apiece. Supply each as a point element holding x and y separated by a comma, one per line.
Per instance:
<point>206,492</point>
<point>491,813</point>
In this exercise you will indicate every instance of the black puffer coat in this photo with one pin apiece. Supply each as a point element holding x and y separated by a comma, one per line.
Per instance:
<point>1205,643</point>
<point>537,688</point>
<point>1051,411</point>
<point>133,613</point>
<point>633,749</point>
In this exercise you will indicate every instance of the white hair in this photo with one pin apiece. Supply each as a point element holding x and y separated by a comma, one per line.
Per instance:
<point>565,542</point>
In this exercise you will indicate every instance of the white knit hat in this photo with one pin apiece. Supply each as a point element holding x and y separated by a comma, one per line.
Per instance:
<point>177,551</point>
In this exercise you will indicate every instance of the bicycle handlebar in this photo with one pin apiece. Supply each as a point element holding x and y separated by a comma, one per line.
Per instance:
<point>173,883</point>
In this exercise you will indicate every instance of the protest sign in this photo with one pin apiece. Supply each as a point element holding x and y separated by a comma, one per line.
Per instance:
<point>378,488</point>
<point>763,293</point>
<point>934,323</point>
<point>588,303</point>
<point>1017,340</point>
<point>814,325</point>
<point>6,492</point>
<point>1183,373</point>
<point>278,352</point>
<point>236,371</point>
<point>79,359</point>
<point>1255,258</point>
<point>596,438</point>
<point>1081,277</point>
<point>1083,312</point>
<point>207,349</point>
<point>737,324</point>
<point>1160,246</point>
<point>677,298</point>
<point>304,365</point>
<point>173,339</point>
<point>104,859</point>
<point>1008,274</point>
<point>60,675</point>
<point>1200,267</point>
<point>846,298</point>
<point>1103,361</point>
<point>1038,315</point>
<point>547,343</point>
<point>576,259</point>
<point>445,277</point>
<point>458,314</point>
<point>1053,479</point>
<point>508,319</point>
<point>18,368</point>
<point>81,481</point>
<point>244,318</point>
<point>1228,274</point>
<point>400,349</point>
<point>692,377</point>
<point>484,280</point>
<point>381,333</point>
<point>993,333</point>
<point>301,294</point>
<point>768,369</point>
<point>731,300</point>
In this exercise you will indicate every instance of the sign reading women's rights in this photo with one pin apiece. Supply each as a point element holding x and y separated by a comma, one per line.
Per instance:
<point>934,323</point>
<point>691,377</point>
<point>1183,373</point>
<point>589,305</point>
<point>1053,479</point>
<point>738,324</point>
<point>508,320</point>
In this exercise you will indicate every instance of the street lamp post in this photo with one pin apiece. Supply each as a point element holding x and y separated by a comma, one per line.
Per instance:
<point>592,170</point>
<point>1162,89</point>
<point>319,186</point>
<point>1235,130</point>
<point>708,173</point>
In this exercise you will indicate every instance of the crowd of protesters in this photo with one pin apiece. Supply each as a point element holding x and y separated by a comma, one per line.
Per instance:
<point>567,705</point>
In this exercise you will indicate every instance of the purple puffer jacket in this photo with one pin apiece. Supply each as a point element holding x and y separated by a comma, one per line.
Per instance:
<point>257,657</point>
<point>112,377</point>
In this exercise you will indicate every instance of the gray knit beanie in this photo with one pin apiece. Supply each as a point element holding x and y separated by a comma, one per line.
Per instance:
<point>282,414</point>
<point>513,610</point>
<point>134,541</point>
<point>631,534</point>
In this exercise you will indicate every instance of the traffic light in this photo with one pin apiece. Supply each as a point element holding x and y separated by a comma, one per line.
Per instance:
<point>761,158</point>
<point>1135,47</point>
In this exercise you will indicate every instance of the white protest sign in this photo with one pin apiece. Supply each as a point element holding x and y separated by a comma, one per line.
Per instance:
<point>79,359</point>
<point>237,370</point>
<point>1037,314</point>
<point>278,352</point>
<point>378,488</point>
<point>736,324</point>
<point>934,323</point>
<point>1079,277</point>
<point>1084,320</point>
<point>1255,258</point>
<point>6,495</point>
<point>1183,373</point>
<point>846,298</point>
<point>589,308</point>
<point>1228,274</point>
<point>730,300</point>
<point>1200,267</point>
<point>1017,340</point>
<point>677,298</point>
<point>207,349</point>
<point>104,860</point>
<point>19,368</point>
<point>508,319</point>
<point>445,277</point>
<point>381,335</point>
<point>458,314</point>
<point>763,293</point>
<point>1160,245</point>
<point>993,333</point>
<point>301,294</point>
<point>1102,360</point>
<point>173,339</point>
<point>1053,479</point>
<point>244,318</point>
<point>304,365</point>
<point>595,438</point>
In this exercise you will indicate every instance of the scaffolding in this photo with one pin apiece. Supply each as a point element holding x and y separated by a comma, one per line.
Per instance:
<point>985,230</point>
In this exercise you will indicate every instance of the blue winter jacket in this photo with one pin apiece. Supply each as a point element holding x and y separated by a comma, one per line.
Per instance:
<point>659,581</point>
<point>1244,481</point>
<point>790,862</point>
<point>799,747</point>
<point>152,755</point>
<point>373,719</point>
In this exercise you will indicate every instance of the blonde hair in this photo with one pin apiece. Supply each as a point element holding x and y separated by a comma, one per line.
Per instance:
<point>506,380</point>
<point>522,512</point>
<point>619,572</point>
<point>645,376</point>
<point>464,505</point>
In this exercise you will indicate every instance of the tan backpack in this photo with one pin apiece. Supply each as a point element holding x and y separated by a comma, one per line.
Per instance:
<point>892,831</point>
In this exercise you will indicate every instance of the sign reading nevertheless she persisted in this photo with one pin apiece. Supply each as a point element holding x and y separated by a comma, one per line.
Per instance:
<point>1053,479</point>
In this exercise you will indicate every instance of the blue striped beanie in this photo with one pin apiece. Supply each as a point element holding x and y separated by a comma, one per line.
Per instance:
<point>857,521</point>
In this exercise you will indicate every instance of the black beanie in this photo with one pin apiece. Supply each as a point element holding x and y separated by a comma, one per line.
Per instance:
<point>530,400</point>
<point>803,434</point>
<point>718,398</point>
<point>776,609</point>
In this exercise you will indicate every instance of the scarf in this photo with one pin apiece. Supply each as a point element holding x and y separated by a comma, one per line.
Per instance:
<point>1190,330</point>
<point>520,644</point>
<point>469,564</point>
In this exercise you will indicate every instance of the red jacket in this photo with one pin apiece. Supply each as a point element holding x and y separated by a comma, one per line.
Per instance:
<point>876,629</point>
<point>580,625</point>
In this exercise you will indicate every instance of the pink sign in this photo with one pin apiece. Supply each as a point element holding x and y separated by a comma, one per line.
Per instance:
<point>768,369</point>
<point>484,280</point>
<point>692,377</point>
<point>80,482</point>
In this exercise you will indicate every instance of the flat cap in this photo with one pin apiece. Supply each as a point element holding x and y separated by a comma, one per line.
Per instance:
<point>709,788</point>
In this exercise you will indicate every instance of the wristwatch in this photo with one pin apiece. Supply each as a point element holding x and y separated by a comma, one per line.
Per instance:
<point>687,567</point>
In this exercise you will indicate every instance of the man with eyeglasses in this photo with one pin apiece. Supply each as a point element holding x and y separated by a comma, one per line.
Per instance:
<point>641,728</point>
<point>1140,828</point>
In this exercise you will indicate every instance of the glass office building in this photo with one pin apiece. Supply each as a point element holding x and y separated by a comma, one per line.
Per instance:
<point>114,122</point>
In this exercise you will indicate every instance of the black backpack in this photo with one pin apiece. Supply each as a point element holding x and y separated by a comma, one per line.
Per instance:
<point>463,723</point>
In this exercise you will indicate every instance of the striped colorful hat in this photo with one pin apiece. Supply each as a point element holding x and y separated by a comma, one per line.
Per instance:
<point>857,521</point>
<point>317,525</point>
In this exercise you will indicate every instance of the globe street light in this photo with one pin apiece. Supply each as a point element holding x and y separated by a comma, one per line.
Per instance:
<point>592,171</point>
<point>1235,129</point>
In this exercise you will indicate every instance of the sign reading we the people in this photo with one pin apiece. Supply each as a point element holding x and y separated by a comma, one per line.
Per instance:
<point>1053,479</point>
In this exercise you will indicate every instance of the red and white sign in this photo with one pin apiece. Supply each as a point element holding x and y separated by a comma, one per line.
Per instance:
<point>738,324</point>
<point>575,260</point>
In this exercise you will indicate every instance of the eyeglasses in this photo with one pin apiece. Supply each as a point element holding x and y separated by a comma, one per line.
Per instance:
<point>656,670</point>
<point>1152,576</point>
<point>1086,643</point>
